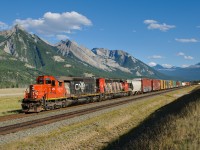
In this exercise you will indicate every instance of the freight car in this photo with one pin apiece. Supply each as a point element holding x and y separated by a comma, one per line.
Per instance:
<point>140,85</point>
<point>50,93</point>
<point>156,85</point>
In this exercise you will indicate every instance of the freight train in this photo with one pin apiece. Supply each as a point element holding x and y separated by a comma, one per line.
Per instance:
<point>50,92</point>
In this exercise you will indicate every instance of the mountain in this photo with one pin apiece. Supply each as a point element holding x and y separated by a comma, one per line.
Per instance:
<point>112,61</point>
<point>24,56</point>
<point>189,73</point>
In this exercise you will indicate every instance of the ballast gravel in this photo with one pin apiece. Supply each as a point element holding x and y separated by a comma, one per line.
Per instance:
<point>42,130</point>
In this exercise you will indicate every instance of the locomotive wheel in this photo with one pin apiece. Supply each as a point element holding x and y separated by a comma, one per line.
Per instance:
<point>50,107</point>
<point>63,104</point>
<point>91,99</point>
<point>37,109</point>
<point>99,98</point>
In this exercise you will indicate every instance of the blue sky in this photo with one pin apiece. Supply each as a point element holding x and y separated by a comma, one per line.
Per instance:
<point>154,31</point>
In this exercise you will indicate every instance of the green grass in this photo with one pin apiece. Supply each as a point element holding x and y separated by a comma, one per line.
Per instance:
<point>10,100</point>
<point>10,105</point>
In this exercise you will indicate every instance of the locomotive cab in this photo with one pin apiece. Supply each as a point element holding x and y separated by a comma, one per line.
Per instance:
<point>47,88</point>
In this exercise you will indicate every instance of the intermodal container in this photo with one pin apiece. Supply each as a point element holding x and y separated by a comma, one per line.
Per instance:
<point>135,85</point>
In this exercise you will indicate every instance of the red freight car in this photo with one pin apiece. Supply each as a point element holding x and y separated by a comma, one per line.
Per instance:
<point>146,85</point>
<point>156,84</point>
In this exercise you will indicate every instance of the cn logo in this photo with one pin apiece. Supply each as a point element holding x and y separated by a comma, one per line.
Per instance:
<point>79,86</point>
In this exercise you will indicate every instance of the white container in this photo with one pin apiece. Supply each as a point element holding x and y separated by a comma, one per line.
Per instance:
<point>135,85</point>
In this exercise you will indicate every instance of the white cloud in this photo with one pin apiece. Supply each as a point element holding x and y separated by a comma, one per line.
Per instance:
<point>3,26</point>
<point>185,66</point>
<point>167,65</point>
<point>62,37</point>
<point>198,26</point>
<point>152,64</point>
<point>180,54</point>
<point>188,57</point>
<point>155,57</point>
<point>185,56</point>
<point>150,21</point>
<point>153,24</point>
<point>192,40</point>
<point>55,23</point>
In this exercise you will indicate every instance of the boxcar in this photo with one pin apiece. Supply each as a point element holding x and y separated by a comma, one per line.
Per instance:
<point>162,84</point>
<point>174,84</point>
<point>167,84</point>
<point>156,84</point>
<point>146,85</point>
<point>141,85</point>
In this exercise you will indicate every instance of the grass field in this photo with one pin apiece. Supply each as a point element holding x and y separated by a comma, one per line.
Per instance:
<point>108,128</point>
<point>10,100</point>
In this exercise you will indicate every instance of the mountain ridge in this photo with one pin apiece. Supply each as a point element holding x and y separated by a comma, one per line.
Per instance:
<point>189,73</point>
<point>36,57</point>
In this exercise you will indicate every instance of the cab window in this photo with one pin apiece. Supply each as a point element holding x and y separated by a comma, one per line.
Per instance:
<point>40,81</point>
<point>47,81</point>
<point>60,83</point>
<point>53,83</point>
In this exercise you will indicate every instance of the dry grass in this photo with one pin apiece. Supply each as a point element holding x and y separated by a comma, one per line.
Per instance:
<point>98,132</point>
<point>12,91</point>
<point>175,126</point>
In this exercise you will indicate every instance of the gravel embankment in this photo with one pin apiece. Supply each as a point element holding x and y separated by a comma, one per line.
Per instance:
<point>60,111</point>
<point>42,130</point>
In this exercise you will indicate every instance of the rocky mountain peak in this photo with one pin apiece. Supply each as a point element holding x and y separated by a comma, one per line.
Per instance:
<point>101,52</point>
<point>17,28</point>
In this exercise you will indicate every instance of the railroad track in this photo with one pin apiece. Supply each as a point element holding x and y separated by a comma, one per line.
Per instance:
<point>43,121</point>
